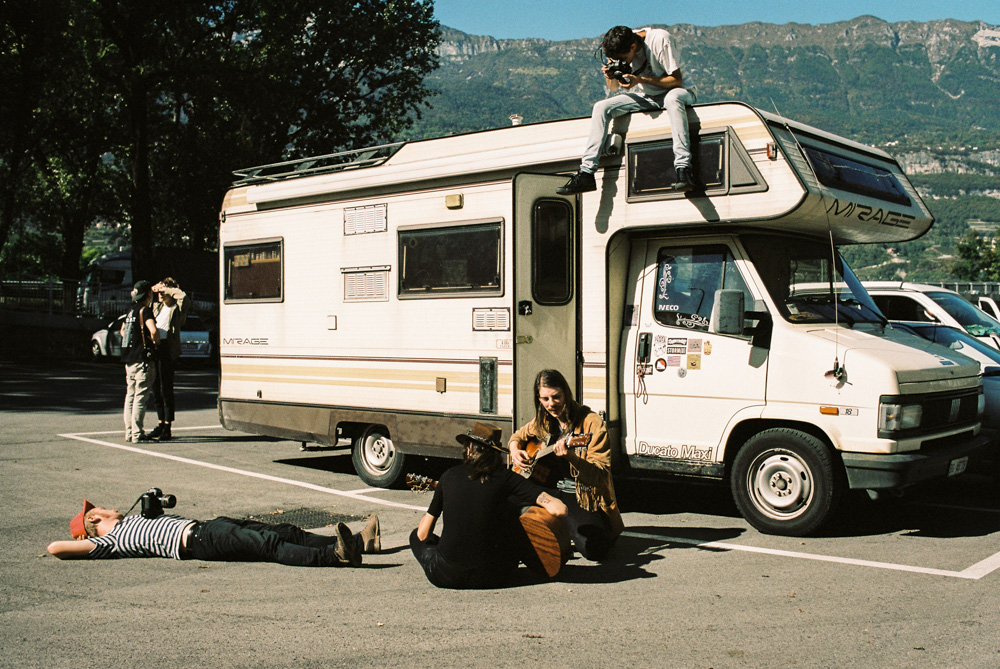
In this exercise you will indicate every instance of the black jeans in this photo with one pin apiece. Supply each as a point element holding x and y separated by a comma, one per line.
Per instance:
<point>163,387</point>
<point>228,539</point>
<point>589,530</point>
<point>446,575</point>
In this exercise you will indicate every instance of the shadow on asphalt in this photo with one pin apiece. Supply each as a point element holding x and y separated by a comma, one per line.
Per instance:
<point>92,387</point>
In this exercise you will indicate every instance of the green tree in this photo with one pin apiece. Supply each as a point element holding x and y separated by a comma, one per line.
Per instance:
<point>168,98</point>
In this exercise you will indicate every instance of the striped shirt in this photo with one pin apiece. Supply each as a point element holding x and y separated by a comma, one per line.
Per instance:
<point>138,537</point>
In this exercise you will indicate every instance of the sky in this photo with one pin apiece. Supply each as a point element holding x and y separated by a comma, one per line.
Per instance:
<point>575,19</point>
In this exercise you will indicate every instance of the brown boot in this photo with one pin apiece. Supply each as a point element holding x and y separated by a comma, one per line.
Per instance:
<point>347,546</point>
<point>371,536</point>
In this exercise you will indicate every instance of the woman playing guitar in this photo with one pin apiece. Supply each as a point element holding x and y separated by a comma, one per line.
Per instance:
<point>580,477</point>
<point>482,541</point>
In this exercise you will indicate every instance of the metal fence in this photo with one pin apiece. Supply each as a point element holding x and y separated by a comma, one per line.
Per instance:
<point>51,297</point>
<point>68,298</point>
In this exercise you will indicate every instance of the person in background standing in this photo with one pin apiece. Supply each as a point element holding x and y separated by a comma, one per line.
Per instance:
<point>139,340</point>
<point>170,311</point>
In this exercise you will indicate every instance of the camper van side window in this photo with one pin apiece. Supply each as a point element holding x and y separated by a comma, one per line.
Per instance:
<point>651,171</point>
<point>253,272</point>
<point>454,259</point>
<point>856,177</point>
<point>686,281</point>
<point>552,252</point>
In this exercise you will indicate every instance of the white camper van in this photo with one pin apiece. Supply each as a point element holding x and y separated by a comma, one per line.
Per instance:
<point>389,298</point>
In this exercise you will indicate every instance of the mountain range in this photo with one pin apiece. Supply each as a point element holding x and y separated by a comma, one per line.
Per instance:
<point>926,92</point>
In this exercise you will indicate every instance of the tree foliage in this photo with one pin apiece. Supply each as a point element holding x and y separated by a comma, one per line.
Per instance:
<point>142,110</point>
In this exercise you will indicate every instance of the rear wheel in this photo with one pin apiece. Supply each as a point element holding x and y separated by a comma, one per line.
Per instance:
<point>786,482</point>
<point>95,350</point>
<point>376,459</point>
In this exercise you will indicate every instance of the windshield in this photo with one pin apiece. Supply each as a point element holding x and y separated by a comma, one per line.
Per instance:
<point>808,285</point>
<point>969,317</point>
<point>956,340</point>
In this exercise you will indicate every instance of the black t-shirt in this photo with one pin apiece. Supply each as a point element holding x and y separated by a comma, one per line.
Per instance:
<point>475,513</point>
<point>134,339</point>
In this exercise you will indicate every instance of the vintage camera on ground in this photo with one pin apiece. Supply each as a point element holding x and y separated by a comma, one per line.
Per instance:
<point>618,70</point>
<point>154,502</point>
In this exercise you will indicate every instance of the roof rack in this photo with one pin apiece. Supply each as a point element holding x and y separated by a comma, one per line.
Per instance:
<point>333,162</point>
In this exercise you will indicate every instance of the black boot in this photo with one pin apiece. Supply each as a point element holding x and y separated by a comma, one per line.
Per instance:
<point>581,182</point>
<point>165,434</point>
<point>684,182</point>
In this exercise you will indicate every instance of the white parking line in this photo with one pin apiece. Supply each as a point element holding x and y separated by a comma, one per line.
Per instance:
<point>975,572</point>
<point>354,494</point>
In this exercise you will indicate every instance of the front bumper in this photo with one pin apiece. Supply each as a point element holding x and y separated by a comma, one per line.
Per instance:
<point>870,471</point>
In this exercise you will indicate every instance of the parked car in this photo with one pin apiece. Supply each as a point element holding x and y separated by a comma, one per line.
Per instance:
<point>990,304</point>
<point>107,342</point>
<point>962,342</point>
<point>914,302</point>
<point>196,341</point>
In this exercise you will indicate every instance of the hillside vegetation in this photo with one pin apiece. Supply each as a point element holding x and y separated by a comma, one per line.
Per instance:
<point>925,92</point>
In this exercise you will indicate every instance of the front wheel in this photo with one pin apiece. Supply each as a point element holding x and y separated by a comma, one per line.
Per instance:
<point>786,482</point>
<point>376,459</point>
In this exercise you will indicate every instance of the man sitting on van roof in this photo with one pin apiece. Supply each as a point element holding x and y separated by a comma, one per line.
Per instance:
<point>650,80</point>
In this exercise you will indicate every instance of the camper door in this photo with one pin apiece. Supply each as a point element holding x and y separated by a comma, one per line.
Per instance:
<point>546,290</point>
<point>686,383</point>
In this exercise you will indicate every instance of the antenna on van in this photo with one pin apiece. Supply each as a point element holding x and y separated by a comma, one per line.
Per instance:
<point>838,372</point>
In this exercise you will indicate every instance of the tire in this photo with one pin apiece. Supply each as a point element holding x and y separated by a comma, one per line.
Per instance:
<point>376,460</point>
<point>95,351</point>
<point>786,482</point>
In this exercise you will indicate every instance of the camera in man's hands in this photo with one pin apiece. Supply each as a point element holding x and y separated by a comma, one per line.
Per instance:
<point>618,70</point>
<point>154,502</point>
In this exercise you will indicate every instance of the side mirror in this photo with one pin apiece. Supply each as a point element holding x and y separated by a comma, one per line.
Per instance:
<point>728,312</point>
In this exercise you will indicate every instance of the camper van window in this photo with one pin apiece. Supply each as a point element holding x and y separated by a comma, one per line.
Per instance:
<point>651,170</point>
<point>253,272</point>
<point>686,281</point>
<point>810,282</point>
<point>552,252</point>
<point>454,259</point>
<point>856,177</point>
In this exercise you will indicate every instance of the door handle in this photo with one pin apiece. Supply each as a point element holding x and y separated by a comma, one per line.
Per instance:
<point>645,347</point>
<point>524,339</point>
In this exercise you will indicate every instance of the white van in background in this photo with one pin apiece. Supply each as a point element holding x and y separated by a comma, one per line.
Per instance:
<point>902,301</point>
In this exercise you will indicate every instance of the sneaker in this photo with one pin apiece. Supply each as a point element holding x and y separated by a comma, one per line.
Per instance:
<point>371,536</point>
<point>141,438</point>
<point>157,431</point>
<point>347,547</point>
<point>581,182</point>
<point>684,181</point>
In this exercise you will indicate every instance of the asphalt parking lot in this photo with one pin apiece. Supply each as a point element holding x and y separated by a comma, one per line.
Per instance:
<point>913,582</point>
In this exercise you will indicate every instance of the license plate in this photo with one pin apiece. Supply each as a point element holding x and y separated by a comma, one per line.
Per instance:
<point>958,465</point>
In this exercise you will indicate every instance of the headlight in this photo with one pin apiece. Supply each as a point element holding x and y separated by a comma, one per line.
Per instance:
<point>898,417</point>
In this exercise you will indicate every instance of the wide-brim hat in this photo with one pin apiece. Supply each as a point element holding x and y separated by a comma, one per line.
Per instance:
<point>76,526</point>
<point>482,433</point>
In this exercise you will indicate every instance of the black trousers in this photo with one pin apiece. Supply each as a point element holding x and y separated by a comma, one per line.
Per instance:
<point>440,572</point>
<point>229,539</point>
<point>589,530</point>
<point>163,387</point>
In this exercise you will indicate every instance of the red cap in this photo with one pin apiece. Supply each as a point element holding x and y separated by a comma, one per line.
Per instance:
<point>76,527</point>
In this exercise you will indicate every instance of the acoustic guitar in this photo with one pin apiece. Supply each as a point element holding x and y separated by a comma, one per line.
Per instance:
<point>537,450</point>
<point>548,536</point>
